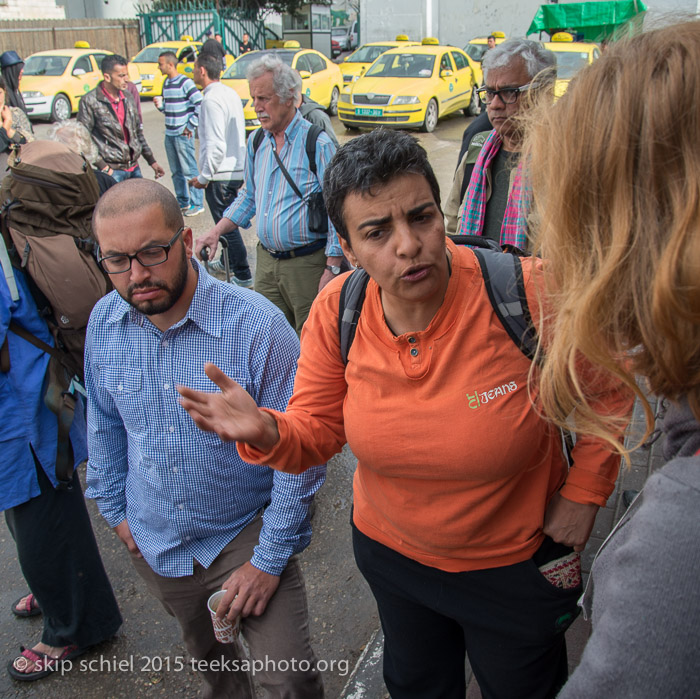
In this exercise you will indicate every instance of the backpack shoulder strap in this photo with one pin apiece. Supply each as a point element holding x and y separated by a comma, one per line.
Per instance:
<point>311,138</point>
<point>257,139</point>
<point>503,278</point>
<point>352,296</point>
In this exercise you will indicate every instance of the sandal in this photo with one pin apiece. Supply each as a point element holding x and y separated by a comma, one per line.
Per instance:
<point>44,664</point>
<point>31,606</point>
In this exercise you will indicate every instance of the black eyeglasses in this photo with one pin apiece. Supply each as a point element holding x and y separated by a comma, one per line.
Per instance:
<point>147,257</point>
<point>508,95</point>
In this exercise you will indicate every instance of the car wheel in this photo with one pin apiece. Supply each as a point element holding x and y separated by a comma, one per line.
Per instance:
<point>333,106</point>
<point>60,109</point>
<point>431,117</point>
<point>474,108</point>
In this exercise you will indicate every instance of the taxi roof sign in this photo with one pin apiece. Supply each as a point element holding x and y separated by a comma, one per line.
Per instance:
<point>402,37</point>
<point>562,36</point>
<point>291,44</point>
<point>498,35</point>
<point>81,45</point>
<point>430,41</point>
<point>186,37</point>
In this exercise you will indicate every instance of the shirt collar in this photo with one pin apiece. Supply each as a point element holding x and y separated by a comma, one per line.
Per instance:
<point>205,311</point>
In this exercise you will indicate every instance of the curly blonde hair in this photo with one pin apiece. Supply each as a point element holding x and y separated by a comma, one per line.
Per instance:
<point>615,174</point>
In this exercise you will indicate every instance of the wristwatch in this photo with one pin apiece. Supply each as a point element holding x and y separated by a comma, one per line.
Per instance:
<point>333,268</point>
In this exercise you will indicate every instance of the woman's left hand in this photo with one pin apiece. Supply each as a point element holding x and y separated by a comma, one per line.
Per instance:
<point>569,523</point>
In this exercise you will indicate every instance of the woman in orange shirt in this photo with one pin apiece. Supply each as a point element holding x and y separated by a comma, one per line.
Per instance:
<point>462,491</point>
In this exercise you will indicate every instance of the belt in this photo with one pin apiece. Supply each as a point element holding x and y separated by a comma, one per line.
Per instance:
<point>296,252</point>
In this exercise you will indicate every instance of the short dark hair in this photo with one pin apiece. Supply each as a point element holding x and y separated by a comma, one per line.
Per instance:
<point>170,55</point>
<point>490,36</point>
<point>211,65</point>
<point>110,62</point>
<point>372,161</point>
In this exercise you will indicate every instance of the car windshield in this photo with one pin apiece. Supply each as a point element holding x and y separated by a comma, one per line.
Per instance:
<point>150,54</point>
<point>339,31</point>
<point>46,65</point>
<point>367,54</point>
<point>476,51</point>
<point>402,65</point>
<point>239,68</point>
<point>569,63</point>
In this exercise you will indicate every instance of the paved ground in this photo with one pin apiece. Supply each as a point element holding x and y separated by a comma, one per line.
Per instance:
<point>135,664</point>
<point>144,659</point>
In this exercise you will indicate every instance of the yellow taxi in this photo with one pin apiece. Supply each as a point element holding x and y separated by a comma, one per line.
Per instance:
<point>54,81</point>
<point>411,87</point>
<point>571,57</point>
<point>357,62</point>
<point>321,79</point>
<point>477,47</point>
<point>146,60</point>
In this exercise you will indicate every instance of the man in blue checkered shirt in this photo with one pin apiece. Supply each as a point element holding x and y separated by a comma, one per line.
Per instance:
<point>195,517</point>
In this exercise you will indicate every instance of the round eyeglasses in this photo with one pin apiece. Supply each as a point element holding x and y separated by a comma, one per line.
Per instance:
<point>508,95</point>
<point>148,257</point>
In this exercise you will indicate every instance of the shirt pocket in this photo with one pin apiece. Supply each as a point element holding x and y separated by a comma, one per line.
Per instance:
<point>125,384</point>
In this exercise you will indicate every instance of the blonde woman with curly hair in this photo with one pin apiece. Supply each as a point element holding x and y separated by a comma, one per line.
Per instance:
<point>615,169</point>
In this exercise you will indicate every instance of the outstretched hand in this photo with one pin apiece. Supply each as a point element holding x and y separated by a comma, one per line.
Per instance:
<point>232,413</point>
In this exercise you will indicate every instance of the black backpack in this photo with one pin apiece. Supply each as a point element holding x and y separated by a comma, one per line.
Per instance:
<point>505,286</point>
<point>503,277</point>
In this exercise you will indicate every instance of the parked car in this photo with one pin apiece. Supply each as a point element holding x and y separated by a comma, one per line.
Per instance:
<point>335,48</point>
<point>54,81</point>
<point>146,59</point>
<point>571,57</point>
<point>411,87</point>
<point>357,63</point>
<point>477,48</point>
<point>321,79</point>
<point>346,36</point>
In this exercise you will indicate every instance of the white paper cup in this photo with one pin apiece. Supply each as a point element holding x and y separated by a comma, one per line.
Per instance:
<point>224,630</point>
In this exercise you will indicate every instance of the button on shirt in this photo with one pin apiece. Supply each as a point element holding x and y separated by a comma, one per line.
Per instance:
<point>184,492</point>
<point>282,217</point>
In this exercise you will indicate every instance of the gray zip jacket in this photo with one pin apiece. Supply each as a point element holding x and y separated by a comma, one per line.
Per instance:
<point>645,594</point>
<point>98,116</point>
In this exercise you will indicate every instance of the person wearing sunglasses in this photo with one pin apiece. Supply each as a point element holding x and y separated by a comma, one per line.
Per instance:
<point>193,516</point>
<point>488,187</point>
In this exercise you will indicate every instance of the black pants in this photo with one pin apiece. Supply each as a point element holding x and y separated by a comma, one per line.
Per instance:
<point>61,563</point>
<point>510,621</point>
<point>219,196</point>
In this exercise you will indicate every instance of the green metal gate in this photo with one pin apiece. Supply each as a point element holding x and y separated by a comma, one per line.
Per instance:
<point>195,19</point>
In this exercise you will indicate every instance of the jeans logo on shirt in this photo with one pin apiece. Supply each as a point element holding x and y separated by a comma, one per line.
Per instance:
<point>479,398</point>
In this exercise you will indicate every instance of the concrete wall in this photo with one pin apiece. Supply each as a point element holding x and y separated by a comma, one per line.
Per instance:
<point>30,9</point>
<point>104,9</point>
<point>457,21</point>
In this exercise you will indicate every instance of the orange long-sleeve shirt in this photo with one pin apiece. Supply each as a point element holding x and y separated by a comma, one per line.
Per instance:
<point>455,467</point>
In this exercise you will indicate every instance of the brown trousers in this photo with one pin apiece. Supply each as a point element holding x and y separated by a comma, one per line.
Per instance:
<point>280,634</point>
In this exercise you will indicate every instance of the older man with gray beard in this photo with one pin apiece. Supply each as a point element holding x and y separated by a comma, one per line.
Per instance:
<point>487,196</point>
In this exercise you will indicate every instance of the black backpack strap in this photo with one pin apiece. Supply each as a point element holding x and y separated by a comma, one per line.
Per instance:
<point>352,296</point>
<point>503,278</point>
<point>311,138</point>
<point>257,139</point>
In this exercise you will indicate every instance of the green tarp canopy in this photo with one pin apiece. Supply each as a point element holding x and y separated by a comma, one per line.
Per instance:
<point>595,20</point>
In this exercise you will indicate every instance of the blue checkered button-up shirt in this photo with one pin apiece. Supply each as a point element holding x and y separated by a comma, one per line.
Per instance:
<point>184,492</point>
<point>282,217</point>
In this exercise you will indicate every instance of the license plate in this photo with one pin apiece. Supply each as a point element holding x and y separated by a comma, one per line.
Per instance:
<point>368,112</point>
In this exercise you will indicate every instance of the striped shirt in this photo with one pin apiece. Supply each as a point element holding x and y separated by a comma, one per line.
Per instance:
<point>181,100</point>
<point>184,492</point>
<point>282,217</point>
